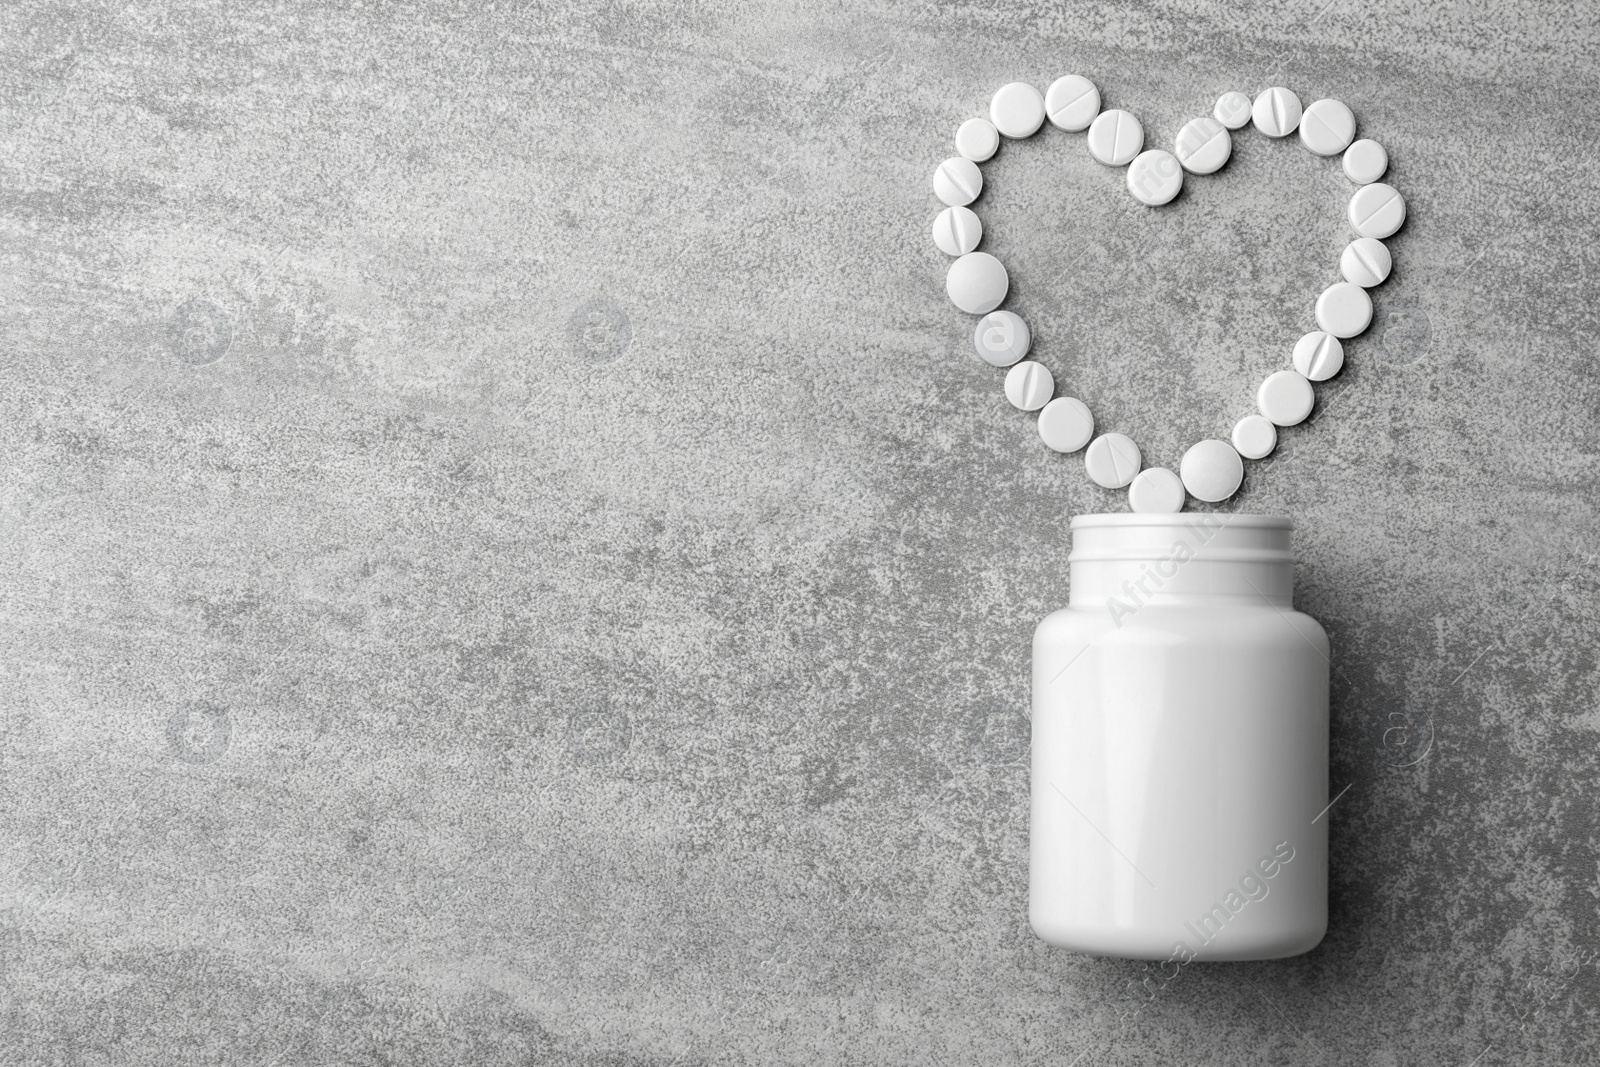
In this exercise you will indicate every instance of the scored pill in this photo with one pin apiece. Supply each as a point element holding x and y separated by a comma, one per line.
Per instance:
<point>1232,110</point>
<point>1203,146</point>
<point>1154,177</point>
<point>1276,112</point>
<point>977,140</point>
<point>1002,338</point>
<point>1112,460</point>
<point>977,283</point>
<point>1344,309</point>
<point>1285,398</point>
<point>1017,110</point>
<point>1254,437</point>
<point>1072,102</point>
<point>1377,210</point>
<point>1029,385</point>
<point>1318,356</point>
<point>1211,471</point>
<point>1366,262</point>
<point>1365,161</point>
<point>958,181</point>
<point>1156,491</point>
<point>1065,424</point>
<point>1115,137</point>
<point>1327,127</point>
<point>957,231</point>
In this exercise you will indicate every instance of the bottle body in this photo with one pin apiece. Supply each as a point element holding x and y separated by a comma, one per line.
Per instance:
<point>1180,746</point>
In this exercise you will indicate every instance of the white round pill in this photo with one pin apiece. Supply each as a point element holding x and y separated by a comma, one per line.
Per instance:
<point>1203,146</point>
<point>1029,385</point>
<point>1115,137</point>
<point>1377,210</point>
<point>1365,161</point>
<point>1112,460</point>
<point>1156,491</point>
<point>958,181</point>
<point>1232,110</point>
<point>1065,424</point>
<point>1327,127</point>
<point>1366,262</point>
<point>1211,471</point>
<point>957,231</point>
<point>1154,177</point>
<point>1002,338</point>
<point>1318,356</point>
<point>1072,102</point>
<point>977,283</point>
<point>1285,398</point>
<point>1017,110</point>
<point>1276,112</point>
<point>977,140</point>
<point>1344,309</point>
<point>1254,437</point>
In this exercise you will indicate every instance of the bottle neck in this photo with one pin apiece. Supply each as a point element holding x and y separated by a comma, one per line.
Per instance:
<point>1123,562</point>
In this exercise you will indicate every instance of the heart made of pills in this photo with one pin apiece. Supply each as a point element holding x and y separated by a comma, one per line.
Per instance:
<point>977,282</point>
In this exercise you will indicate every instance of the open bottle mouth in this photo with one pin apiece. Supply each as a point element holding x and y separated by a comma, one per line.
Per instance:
<point>1184,555</point>
<point>1220,537</point>
<point>1185,518</point>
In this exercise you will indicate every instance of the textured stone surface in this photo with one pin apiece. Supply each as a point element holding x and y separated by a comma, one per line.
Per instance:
<point>511,557</point>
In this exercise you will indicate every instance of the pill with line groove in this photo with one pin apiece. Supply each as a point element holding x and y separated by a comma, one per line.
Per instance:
<point>1318,356</point>
<point>1115,137</point>
<point>1112,460</point>
<point>1203,146</point>
<point>1276,112</point>
<point>1029,385</point>
<point>1072,102</point>
<point>1017,110</point>
<point>958,181</point>
<point>1327,127</point>
<point>1377,210</point>
<point>1002,338</point>
<point>977,140</point>
<point>1232,110</point>
<point>1365,161</point>
<point>1156,491</point>
<point>1366,262</point>
<point>957,231</point>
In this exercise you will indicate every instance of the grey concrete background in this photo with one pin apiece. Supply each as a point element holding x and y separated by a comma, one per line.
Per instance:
<point>510,558</point>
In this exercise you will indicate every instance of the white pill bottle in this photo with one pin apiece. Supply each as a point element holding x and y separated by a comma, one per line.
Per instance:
<point>1180,745</point>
